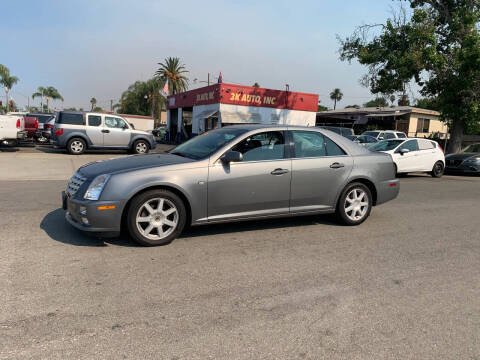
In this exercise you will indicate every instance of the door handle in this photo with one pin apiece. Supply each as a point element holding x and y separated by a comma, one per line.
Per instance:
<point>337,165</point>
<point>105,131</point>
<point>279,171</point>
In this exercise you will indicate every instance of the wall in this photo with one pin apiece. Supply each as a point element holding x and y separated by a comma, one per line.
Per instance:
<point>435,125</point>
<point>140,123</point>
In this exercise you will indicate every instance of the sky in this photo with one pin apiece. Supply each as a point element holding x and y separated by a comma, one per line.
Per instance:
<point>97,48</point>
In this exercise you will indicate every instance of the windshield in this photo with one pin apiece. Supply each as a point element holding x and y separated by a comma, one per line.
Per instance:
<point>204,145</point>
<point>474,148</point>
<point>385,145</point>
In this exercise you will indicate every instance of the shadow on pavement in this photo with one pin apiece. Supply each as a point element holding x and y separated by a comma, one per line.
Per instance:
<point>57,228</point>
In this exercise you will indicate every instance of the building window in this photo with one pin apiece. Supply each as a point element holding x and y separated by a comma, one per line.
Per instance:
<point>423,125</point>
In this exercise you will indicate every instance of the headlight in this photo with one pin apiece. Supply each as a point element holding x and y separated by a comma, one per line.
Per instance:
<point>473,160</point>
<point>96,187</point>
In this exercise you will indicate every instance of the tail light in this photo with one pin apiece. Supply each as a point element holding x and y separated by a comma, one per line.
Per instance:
<point>440,148</point>
<point>59,132</point>
<point>48,126</point>
<point>18,124</point>
<point>36,124</point>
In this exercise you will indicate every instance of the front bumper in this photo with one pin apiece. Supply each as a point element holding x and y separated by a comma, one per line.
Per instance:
<point>387,190</point>
<point>97,220</point>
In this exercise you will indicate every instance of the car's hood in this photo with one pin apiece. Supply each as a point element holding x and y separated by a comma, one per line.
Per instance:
<point>129,163</point>
<point>460,156</point>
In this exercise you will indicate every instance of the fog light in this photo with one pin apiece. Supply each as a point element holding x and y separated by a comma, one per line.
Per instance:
<point>85,221</point>
<point>83,211</point>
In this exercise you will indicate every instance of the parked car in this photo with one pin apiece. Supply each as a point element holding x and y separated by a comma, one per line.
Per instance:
<point>465,161</point>
<point>47,129</point>
<point>234,173</point>
<point>385,134</point>
<point>31,126</point>
<point>339,130</point>
<point>413,155</point>
<point>12,129</point>
<point>364,140</point>
<point>42,120</point>
<point>78,131</point>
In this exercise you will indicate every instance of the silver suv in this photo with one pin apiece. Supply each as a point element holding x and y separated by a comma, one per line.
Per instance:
<point>77,131</point>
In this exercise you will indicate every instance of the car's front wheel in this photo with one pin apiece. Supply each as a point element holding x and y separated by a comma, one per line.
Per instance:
<point>355,204</point>
<point>140,147</point>
<point>156,217</point>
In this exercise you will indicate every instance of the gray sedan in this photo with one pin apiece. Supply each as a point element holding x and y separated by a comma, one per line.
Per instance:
<point>230,174</point>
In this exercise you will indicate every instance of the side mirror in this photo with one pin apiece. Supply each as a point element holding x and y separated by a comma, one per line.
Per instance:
<point>403,151</point>
<point>133,126</point>
<point>380,138</point>
<point>231,156</point>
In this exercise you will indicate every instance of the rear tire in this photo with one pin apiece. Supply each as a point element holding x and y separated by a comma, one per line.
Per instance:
<point>76,146</point>
<point>156,217</point>
<point>438,170</point>
<point>140,147</point>
<point>354,205</point>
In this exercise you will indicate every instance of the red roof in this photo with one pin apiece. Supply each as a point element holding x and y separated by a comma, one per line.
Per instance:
<point>244,95</point>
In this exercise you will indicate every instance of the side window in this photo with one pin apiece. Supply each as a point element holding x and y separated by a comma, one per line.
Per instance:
<point>411,145</point>
<point>264,146</point>
<point>401,135</point>
<point>113,122</point>
<point>94,120</point>
<point>332,148</point>
<point>425,145</point>
<point>387,136</point>
<point>70,119</point>
<point>309,144</point>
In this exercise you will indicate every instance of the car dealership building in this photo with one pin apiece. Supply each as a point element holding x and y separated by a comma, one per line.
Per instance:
<point>193,112</point>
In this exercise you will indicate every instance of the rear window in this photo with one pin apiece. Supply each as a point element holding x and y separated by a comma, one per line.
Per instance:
<point>70,119</point>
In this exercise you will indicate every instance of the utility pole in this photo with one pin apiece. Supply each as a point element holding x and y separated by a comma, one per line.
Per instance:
<point>111,105</point>
<point>208,79</point>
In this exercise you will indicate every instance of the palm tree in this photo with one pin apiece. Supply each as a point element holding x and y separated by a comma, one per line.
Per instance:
<point>93,101</point>
<point>7,81</point>
<point>257,85</point>
<point>336,95</point>
<point>172,70</point>
<point>40,93</point>
<point>48,92</point>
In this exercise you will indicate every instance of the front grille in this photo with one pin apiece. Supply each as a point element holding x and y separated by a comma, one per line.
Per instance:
<point>74,184</point>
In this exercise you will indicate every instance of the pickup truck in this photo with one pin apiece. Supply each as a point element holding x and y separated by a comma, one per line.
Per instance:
<point>12,129</point>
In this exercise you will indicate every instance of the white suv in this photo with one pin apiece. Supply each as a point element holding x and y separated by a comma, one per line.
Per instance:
<point>413,155</point>
<point>385,134</point>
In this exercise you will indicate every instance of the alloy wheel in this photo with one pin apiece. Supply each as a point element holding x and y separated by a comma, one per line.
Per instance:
<point>356,204</point>
<point>157,218</point>
<point>76,146</point>
<point>141,148</point>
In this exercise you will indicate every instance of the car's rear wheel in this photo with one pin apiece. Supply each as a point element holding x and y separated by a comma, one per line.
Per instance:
<point>140,147</point>
<point>355,204</point>
<point>76,146</point>
<point>437,170</point>
<point>156,217</point>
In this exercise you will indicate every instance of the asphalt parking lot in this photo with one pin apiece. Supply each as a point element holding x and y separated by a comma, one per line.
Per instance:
<point>403,285</point>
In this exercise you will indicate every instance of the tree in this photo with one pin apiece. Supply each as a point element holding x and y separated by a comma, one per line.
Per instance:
<point>352,106</point>
<point>378,102</point>
<point>40,93</point>
<point>93,101</point>
<point>97,109</point>
<point>321,107</point>
<point>256,85</point>
<point>438,47</point>
<point>142,98</point>
<point>7,81</point>
<point>173,71</point>
<point>336,95</point>
<point>48,92</point>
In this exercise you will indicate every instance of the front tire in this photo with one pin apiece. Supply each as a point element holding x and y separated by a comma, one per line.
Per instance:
<point>140,147</point>
<point>76,146</point>
<point>156,217</point>
<point>354,205</point>
<point>438,170</point>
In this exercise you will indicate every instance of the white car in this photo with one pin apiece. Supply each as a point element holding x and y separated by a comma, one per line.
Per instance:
<point>385,134</point>
<point>12,129</point>
<point>414,155</point>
